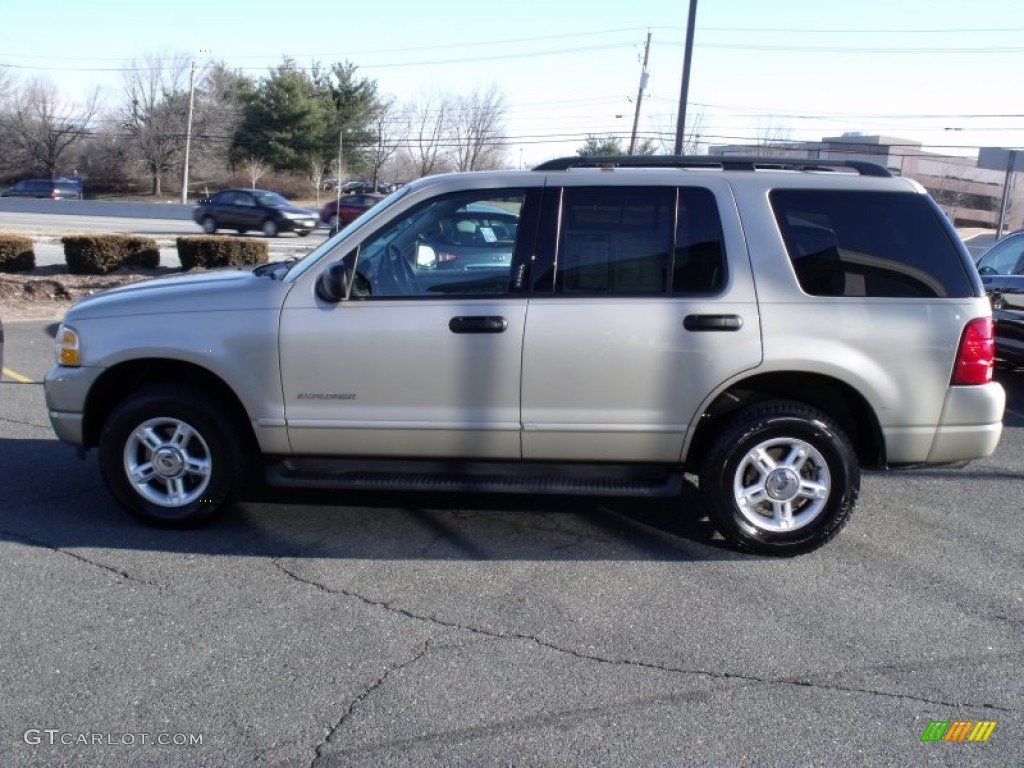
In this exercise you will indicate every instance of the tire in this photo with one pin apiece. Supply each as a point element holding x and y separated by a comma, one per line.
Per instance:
<point>269,228</point>
<point>303,232</point>
<point>242,230</point>
<point>781,479</point>
<point>170,456</point>
<point>209,225</point>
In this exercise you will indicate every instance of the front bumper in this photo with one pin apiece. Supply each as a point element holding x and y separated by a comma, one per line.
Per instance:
<point>66,392</point>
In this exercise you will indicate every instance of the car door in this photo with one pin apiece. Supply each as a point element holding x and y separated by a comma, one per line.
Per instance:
<point>635,319</point>
<point>1002,272</point>
<point>420,361</point>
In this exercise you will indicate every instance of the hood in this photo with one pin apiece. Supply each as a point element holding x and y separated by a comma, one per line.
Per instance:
<point>216,290</point>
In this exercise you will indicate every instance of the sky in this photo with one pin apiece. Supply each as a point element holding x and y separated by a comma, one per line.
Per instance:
<point>940,72</point>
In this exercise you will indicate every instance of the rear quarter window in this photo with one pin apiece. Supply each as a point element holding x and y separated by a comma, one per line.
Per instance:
<point>869,244</point>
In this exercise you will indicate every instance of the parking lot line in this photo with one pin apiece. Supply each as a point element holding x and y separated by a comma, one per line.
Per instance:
<point>17,376</point>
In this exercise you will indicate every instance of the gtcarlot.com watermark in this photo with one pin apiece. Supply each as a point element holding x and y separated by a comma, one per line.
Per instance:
<point>55,736</point>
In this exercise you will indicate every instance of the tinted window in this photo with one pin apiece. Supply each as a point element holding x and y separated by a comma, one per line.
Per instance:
<point>616,240</point>
<point>627,241</point>
<point>856,243</point>
<point>699,266</point>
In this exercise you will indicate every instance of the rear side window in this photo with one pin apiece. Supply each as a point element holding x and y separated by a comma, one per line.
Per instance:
<point>871,244</point>
<point>639,241</point>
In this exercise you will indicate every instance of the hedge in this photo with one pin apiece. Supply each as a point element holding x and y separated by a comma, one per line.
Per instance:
<point>210,251</point>
<point>16,253</point>
<point>100,254</point>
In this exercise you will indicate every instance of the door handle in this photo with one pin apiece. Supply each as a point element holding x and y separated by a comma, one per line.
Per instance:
<point>712,322</point>
<point>477,324</point>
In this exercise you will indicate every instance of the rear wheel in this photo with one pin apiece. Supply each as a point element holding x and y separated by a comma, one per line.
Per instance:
<point>209,225</point>
<point>169,455</point>
<point>781,479</point>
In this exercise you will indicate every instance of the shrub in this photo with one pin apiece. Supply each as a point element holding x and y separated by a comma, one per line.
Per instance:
<point>100,254</point>
<point>210,251</point>
<point>16,254</point>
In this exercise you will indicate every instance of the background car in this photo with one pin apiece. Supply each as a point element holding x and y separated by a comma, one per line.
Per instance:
<point>1001,267</point>
<point>337,214</point>
<point>45,188</point>
<point>253,209</point>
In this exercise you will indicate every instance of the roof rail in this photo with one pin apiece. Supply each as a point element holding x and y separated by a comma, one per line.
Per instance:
<point>724,163</point>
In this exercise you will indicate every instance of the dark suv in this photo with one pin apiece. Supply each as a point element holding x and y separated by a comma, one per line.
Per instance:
<point>44,188</point>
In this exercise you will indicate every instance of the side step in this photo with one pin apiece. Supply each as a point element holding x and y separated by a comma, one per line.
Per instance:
<point>475,477</point>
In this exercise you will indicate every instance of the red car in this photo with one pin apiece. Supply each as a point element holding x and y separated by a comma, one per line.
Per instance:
<point>337,216</point>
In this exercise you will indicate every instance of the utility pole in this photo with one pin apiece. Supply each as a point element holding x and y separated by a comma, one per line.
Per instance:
<point>337,183</point>
<point>188,133</point>
<point>685,90</point>
<point>640,94</point>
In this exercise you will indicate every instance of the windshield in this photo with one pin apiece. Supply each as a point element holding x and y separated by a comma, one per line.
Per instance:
<point>329,245</point>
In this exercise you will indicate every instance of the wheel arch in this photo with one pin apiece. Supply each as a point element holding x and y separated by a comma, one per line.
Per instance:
<point>120,381</point>
<point>837,399</point>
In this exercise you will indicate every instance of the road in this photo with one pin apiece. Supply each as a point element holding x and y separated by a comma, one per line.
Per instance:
<point>436,630</point>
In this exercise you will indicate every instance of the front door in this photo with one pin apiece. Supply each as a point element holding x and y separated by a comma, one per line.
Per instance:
<point>424,359</point>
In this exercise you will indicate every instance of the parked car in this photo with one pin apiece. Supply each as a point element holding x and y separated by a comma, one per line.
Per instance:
<point>337,214</point>
<point>771,326</point>
<point>356,187</point>
<point>1001,267</point>
<point>45,188</point>
<point>253,209</point>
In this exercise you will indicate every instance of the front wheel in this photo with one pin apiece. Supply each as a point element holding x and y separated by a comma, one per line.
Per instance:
<point>269,228</point>
<point>782,478</point>
<point>170,457</point>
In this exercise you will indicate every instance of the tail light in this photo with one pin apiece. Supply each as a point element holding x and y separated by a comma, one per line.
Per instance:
<point>976,354</point>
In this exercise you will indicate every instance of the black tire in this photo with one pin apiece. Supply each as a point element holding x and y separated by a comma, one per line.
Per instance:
<point>242,230</point>
<point>270,228</point>
<point>190,449</point>
<point>303,232</point>
<point>781,479</point>
<point>209,225</point>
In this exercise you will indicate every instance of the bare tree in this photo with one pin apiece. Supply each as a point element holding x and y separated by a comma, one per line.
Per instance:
<point>427,120</point>
<point>388,127</point>
<point>42,126</point>
<point>772,140</point>
<point>155,112</point>
<point>317,173</point>
<point>256,167</point>
<point>477,129</point>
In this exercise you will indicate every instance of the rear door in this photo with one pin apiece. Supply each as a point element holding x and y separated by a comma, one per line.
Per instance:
<point>637,315</point>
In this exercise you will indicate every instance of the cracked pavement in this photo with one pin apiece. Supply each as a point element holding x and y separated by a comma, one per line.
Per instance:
<point>440,630</point>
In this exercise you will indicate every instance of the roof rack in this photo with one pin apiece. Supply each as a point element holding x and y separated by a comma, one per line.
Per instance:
<point>724,163</point>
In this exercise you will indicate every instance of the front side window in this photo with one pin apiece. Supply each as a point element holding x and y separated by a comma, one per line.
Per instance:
<point>461,244</point>
<point>869,244</point>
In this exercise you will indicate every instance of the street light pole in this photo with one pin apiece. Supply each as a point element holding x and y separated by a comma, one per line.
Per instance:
<point>188,133</point>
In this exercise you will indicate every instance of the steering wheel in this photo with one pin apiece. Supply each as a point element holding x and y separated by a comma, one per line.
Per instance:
<point>400,271</point>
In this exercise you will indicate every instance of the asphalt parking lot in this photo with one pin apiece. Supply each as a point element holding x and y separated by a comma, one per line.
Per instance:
<point>440,630</point>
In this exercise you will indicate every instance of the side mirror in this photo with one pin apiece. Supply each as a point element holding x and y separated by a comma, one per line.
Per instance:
<point>332,285</point>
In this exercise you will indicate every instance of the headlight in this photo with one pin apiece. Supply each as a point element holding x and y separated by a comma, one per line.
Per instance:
<point>66,345</point>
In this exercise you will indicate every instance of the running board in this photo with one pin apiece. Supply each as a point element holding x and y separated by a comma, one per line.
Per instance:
<point>475,477</point>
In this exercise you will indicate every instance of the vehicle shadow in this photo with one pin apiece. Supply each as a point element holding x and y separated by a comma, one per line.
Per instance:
<point>76,511</point>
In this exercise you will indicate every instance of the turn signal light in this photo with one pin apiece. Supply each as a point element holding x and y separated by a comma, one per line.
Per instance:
<point>66,346</point>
